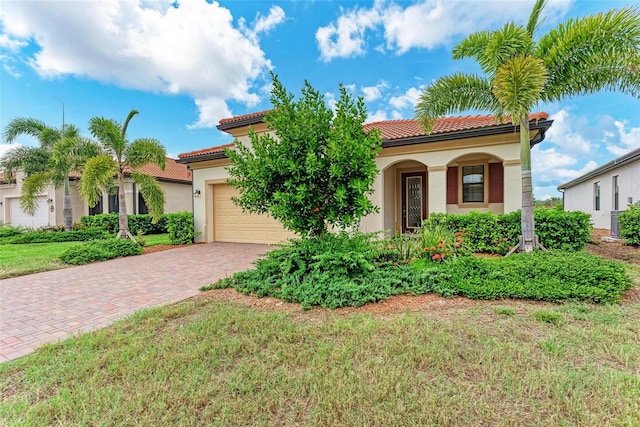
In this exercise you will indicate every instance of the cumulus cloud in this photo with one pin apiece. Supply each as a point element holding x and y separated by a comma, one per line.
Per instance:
<point>622,141</point>
<point>372,93</point>
<point>424,24</point>
<point>407,100</point>
<point>567,132</point>
<point>378,116</point>
<point>193,49</point>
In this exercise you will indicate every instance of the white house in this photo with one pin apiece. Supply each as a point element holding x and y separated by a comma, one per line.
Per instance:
<point>466,163</point>
<point>605,190</point>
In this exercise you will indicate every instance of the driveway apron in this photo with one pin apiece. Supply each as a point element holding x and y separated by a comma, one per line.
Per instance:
<point>50,306</point>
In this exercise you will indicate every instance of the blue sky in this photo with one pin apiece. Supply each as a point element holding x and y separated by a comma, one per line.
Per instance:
<point>186,65</point>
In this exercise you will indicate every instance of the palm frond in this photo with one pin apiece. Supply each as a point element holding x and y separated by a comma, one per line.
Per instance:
<point>146,150</point>
<point>109,133</point>
<point>152,193</point>
<point>32,188</point>
<point>534,19</point>
<point>29,159</point>
<point>453,94</point>
<point>589,54</point>
<point>518,83</point>
<point>130,116</point>
<point>97,176</point>
<point>473,46</point>
<point>23,126</point>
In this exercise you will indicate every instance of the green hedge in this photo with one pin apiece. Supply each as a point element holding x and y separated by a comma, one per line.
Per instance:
<point>180,226</point>
<point>109,222</point>
<point>557,229</point>
<point>56,236</point>
<point>630,225</point>
<point>100,250</point>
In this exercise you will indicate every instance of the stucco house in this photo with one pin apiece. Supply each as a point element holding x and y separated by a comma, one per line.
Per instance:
<point>175,180</point>
<point>605,191</point>
<point>466,163</point>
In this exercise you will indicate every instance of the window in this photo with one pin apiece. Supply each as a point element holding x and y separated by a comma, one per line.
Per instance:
<point>142,205</point>
<point>114,205</point>
<point>596,196</point>
<point>616,194</point>
<point>97,209</point>
<point>473,184</point>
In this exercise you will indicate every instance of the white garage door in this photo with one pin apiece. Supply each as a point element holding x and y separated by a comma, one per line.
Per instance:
<point>18,218</point>
<point>230,224</point>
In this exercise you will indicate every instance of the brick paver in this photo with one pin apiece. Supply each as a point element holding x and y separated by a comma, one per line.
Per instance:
<point>46,307</point>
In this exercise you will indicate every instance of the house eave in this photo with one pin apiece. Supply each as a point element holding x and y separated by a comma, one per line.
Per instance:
<point>607,167</point>
<point>253,120</point>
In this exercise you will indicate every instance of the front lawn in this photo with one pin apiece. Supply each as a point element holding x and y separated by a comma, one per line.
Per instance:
<point>209,362</point>
<point>18,260</point>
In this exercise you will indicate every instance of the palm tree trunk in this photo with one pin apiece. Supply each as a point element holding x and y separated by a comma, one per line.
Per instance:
<point>527,239</point>
<point>123,219</point>
<point>67,212</point>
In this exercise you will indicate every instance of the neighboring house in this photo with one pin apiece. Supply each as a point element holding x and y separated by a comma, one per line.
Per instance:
<point>175,180</point>
<point>605,190</point>
<point>466,163</point>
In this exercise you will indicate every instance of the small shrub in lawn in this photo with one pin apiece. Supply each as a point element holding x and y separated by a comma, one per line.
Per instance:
<point>629,220</point>
<point>505,311</point>
<point>438,243</point>
<point>180,226</point>
<point>39,236</point>
<point>140,239</point>
<point>547,316</point>
<point>100,250</point>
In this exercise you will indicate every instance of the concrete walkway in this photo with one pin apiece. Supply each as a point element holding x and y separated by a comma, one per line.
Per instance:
<point>50,306</point>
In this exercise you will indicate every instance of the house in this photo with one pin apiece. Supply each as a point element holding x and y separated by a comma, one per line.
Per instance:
<point>605,190</point>
<point>466,163</point>
<point>175,180</point>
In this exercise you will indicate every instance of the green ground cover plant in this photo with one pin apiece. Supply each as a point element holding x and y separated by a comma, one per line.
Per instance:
<point>41,236</point>
<point>340,270</point>
<point>100,250</point>
<point>209,362</point>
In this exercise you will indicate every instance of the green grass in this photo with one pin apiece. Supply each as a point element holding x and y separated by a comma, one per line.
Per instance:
<point>206,362</point>
<point>18,260</point>
<point>157,239</point>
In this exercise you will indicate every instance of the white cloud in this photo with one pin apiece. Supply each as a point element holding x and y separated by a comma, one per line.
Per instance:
<point>331,100</point>
<point>372,93</point>
<point>194,49</point>
<point>378,116</point>
<point>408,100</point>
<point>11,71</point>
<point>566,132</point>
<point>624,141</point>
<point>11,44</point>
<point>6,147</point>
<point>425,24</point>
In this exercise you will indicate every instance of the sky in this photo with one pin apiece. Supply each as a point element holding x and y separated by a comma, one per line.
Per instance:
<point>186,64</point>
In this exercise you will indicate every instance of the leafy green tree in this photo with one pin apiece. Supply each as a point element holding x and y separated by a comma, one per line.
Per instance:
<point>580,56</point>
<point>60,151</point>
<point>122,156</point>
<point>318,168</point>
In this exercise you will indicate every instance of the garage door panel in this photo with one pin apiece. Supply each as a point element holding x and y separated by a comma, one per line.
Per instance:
<point>19,218</point>
<point>230,224</point>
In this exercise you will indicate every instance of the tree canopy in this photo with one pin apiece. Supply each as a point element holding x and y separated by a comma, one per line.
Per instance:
<point>316,167</point>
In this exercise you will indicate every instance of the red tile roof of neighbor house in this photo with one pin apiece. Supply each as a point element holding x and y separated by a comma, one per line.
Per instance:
<point>173,171</point>
<point>389,129</point>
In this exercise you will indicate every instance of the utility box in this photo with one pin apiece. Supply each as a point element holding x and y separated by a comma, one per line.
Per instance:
<point>615,225</point>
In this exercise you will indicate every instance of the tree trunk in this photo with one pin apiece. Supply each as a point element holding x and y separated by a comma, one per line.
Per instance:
<point>67,212</point>
<point>527,239</point>
<point>123,219</point>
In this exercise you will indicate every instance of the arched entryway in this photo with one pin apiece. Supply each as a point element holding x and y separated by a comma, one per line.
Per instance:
<point>405,200</point>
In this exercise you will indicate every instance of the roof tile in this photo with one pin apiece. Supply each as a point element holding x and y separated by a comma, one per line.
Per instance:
<point>205,151</point>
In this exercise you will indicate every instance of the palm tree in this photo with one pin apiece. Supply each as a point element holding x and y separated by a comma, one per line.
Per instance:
<point>580,56</point>
<point>60,151</point>
<point>122,156</point>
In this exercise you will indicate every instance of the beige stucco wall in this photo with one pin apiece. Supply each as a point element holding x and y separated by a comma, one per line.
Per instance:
<point>581,196</point>
<point>204,176</point>
<point>177,199</point>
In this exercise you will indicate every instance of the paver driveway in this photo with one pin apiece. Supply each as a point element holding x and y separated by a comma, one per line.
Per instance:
<point>53,305</point>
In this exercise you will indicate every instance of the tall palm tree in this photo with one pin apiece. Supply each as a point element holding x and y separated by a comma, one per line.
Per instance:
<point>122,156</point>
<point>60,151</point>
<point>580,56</point>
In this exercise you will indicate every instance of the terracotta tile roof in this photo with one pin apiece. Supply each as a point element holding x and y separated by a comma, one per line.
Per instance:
<point>172,171</point>
<point>398,129</point>
<point>205,151</point>
<point>244,117</point>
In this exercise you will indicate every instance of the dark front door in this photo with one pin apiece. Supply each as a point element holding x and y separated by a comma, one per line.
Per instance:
<point>414,204</point>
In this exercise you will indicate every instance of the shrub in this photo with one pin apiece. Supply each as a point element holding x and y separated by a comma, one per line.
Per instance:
<point>493,233</point>
<point>629,220</point>
<point>100,250</point>
<point>56,236</point>
<point>109,222</point>
<point>8,231</point>
<point>438,243</point>
<point>180,226</point>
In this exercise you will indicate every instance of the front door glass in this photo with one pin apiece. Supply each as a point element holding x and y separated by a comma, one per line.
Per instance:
<point>414,202</point>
